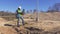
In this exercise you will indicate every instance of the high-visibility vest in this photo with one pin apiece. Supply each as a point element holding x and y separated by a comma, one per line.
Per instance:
<point>19,12</point>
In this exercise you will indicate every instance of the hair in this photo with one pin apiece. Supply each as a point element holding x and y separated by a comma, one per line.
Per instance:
<point>19,8</point>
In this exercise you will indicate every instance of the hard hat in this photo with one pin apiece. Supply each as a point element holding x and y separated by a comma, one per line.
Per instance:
<point>19,7</point>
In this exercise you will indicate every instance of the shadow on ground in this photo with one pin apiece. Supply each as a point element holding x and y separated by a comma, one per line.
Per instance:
<point>32,30</point>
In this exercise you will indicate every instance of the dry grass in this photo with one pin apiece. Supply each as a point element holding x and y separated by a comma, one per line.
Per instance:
<point>47,21</point>
<point>7,30</point>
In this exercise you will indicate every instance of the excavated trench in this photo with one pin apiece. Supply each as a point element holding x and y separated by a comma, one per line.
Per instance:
<point>32,30</point>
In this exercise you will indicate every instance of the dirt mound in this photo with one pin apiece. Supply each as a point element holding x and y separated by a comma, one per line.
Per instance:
<point>7,30</point>
<point>1,19</point>
<point>47,16</point>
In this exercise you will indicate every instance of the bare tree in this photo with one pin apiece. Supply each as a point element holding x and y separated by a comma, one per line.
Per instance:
<point>54,8</point>
<point>35,10</point>
<point>27,11</point>
<point>30,11</point>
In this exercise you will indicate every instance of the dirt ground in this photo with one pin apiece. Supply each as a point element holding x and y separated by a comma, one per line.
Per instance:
<point>49,23</point>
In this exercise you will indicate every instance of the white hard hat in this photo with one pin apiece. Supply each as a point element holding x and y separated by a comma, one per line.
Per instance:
<point>19,7</point>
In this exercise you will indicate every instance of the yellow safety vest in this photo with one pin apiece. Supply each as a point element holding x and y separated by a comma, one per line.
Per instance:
<point>19,11</point>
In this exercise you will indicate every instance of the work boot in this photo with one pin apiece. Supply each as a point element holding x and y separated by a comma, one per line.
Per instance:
<point>18,24</point>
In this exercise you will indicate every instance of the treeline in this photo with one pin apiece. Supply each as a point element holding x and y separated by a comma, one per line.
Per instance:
<point>7,13</point>
<point>3,13</point>
<point>54,8</point>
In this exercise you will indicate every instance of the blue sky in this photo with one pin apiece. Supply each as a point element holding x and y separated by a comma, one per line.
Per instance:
<point>12,5</point>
